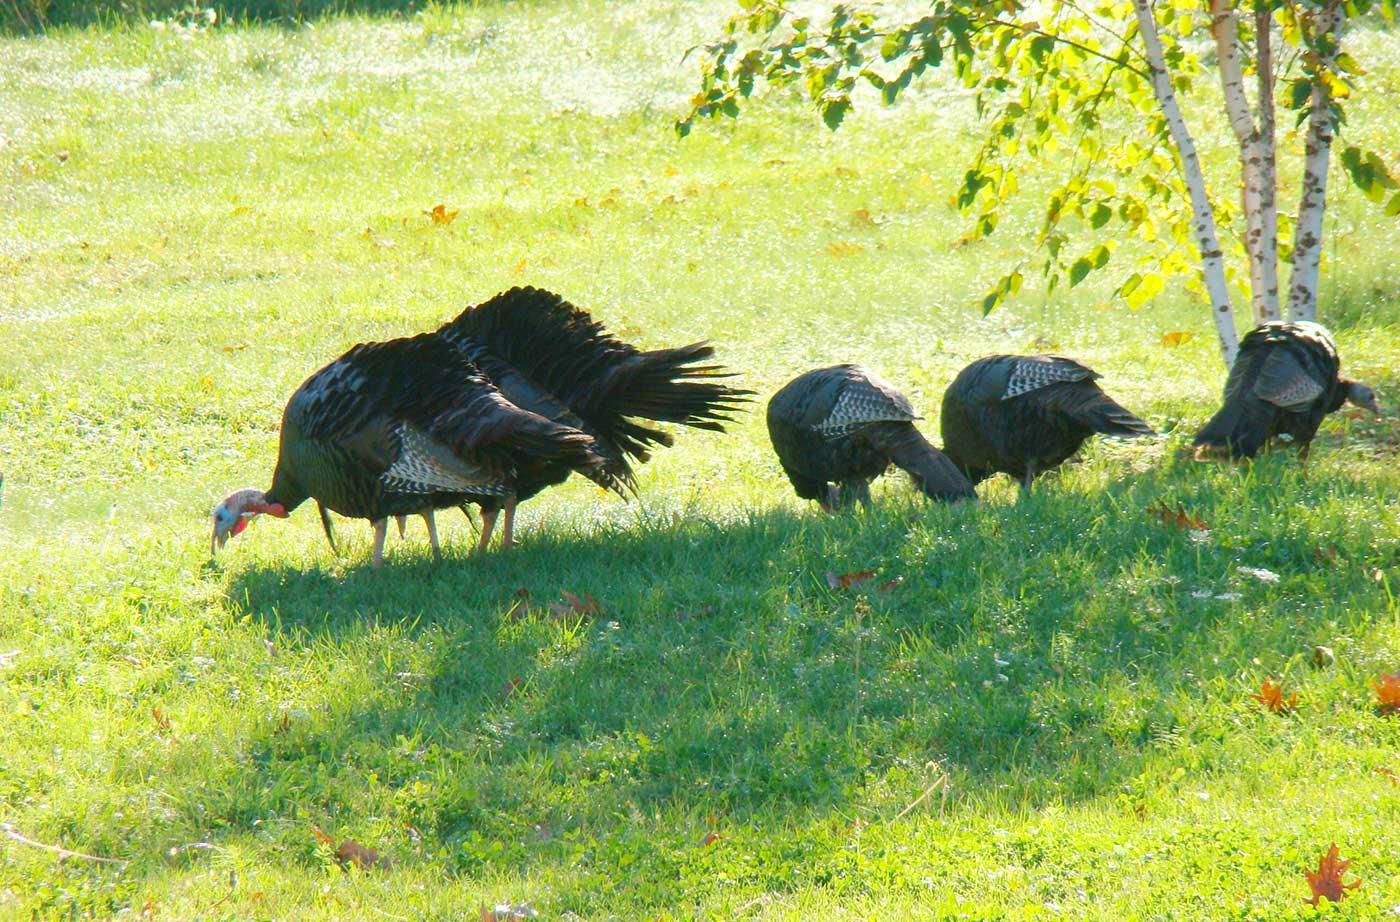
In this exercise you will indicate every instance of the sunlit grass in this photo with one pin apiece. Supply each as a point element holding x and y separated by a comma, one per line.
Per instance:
<point>190,225</point>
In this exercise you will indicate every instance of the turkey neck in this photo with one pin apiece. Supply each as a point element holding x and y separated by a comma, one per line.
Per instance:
<point>285,490</point>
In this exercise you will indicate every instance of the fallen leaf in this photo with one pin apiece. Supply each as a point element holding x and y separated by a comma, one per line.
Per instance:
<point>441,215</point>
<point>890,584</point>
<point>1388,693</point>
<point>1389,773</point>
<point>352,852</point>
<point>574,605</point>
<point>321,837</point>
<point>1327,881</point>
<point>861,218</point>
<point>521,266</point>
<point>710,839</point>
<point>1322,657</point>
<point>149,908</point>
<point>1177,518</point>
<point>1172,340</point>
<point>511,687</point>
<point>1271,696</point>
<point>840,249</point>
<point>836,580</point>
<point>159,717</point>
<point>283,725</point>
<point>1321,554</point>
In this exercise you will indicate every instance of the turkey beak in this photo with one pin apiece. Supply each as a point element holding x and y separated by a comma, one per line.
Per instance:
<point>216,540</point>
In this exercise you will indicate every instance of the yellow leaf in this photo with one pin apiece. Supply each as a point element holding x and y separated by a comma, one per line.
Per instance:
<point>840,249</point>
<point>520,266</point>
<point>441,215</point>
<point>1172,340</point>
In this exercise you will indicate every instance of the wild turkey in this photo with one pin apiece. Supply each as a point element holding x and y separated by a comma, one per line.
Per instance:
<point>403,428</point>
<point>1025,414</point>
<point>1284,381</point>
<point>847,424</point>
<point>552,358</point>
<point>418,424</point>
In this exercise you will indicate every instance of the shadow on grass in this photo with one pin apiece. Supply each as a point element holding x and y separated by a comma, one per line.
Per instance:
<point>1050,649</point>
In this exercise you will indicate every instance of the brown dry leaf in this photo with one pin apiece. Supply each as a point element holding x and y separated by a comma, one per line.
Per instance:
<point>321,837</point>
<point>861,218</point>
<point>573,605</point>
<point>1389,773</point>
<point>710,839</point>
<point>283,725</point>
<point>891,584</point>
<point>1177,518</point>
<point>840,249</point>
<point>441,215</point>
<point>149,908</point>
<point>352,852</point>
<point>1172,340</point>
<point>1388,693</point>
<point>1327,881</point>
<point>159,717</point>
<point>511,687</point>
<point>836,580</point>
<point>1271,696</point>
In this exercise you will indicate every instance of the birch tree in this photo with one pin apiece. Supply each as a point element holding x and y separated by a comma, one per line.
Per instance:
<point>1094,91</point>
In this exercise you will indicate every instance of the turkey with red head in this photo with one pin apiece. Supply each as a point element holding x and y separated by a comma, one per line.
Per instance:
<point>845,425</point>
<point>1284,381</point>
<point>510,397</point>
<point>1025,414</point>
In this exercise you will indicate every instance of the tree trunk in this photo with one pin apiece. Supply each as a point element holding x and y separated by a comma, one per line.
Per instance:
<point>1202,217</point>
<point>1258,197</point>
<point>1268,202</point>
<point>1307,237</point>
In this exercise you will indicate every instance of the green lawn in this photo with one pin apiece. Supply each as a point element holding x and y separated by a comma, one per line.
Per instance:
<point>191,223</point>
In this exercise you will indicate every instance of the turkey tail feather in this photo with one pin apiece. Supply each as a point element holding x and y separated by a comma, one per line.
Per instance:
<point>933,473</point>
<point>1238,430</point>
<point>1105,416</point>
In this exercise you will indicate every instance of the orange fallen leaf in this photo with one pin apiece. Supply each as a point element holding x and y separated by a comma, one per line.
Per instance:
<point>511,687</point>
<point>159,717</point>
<point>1389,773</point>
<point>1177,518</point>
<point>836,580</point>
<point>575,605</point>
<point>352,852</point>
<point>710,839</point>
<point>840,249</point>
<point>890,584</point>
<point>1327,881</point>
<point>861,218</point>
<point>1388,693</point>
<point>1271,696</point>
<point>321,837</point>
<point>441,215</point>
<point>521,266</point>
<point>1172,340</point>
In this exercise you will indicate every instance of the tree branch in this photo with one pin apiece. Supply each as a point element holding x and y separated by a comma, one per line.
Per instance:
<point>1061,40</point>
<point>59,850</point>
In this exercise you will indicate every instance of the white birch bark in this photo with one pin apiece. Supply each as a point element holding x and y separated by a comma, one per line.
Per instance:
<point>1263,259</point>
<point>1317,149</point>
<point>1202,216</point>
<point>1268,147</point>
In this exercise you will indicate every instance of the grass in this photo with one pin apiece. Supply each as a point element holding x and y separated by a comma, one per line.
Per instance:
<point>192,222</point>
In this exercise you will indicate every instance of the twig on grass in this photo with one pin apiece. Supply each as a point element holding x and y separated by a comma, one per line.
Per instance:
<point>58,850</point>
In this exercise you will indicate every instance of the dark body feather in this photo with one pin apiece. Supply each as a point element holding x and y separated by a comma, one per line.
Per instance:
<point>552,358</point>
<point>1025,414</point>
<point>846,425</point>
<point>410,425</point>
<point>1284,382</point>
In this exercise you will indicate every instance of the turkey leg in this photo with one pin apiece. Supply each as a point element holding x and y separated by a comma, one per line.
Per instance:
<point>488,523</point>
<point>381,529</point>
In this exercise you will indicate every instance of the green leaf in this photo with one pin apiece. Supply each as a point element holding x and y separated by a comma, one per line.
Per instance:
<point>1079,270</point>
<point>1100,216</point>
<point>834,110</point>
<point>1393,209</point>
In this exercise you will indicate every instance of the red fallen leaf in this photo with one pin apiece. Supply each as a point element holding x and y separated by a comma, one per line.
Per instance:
<point>1176,518</point>
<point>710,839</point>
<point>1327,881</point>
<point>1388,693</point>
<point>352,852</point>
<point>836,580</point>
<point>1271,696</point>
<point>1389,773</point>
<point>441,215</point>
<point>574,605</point>
<point>321,837</point>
